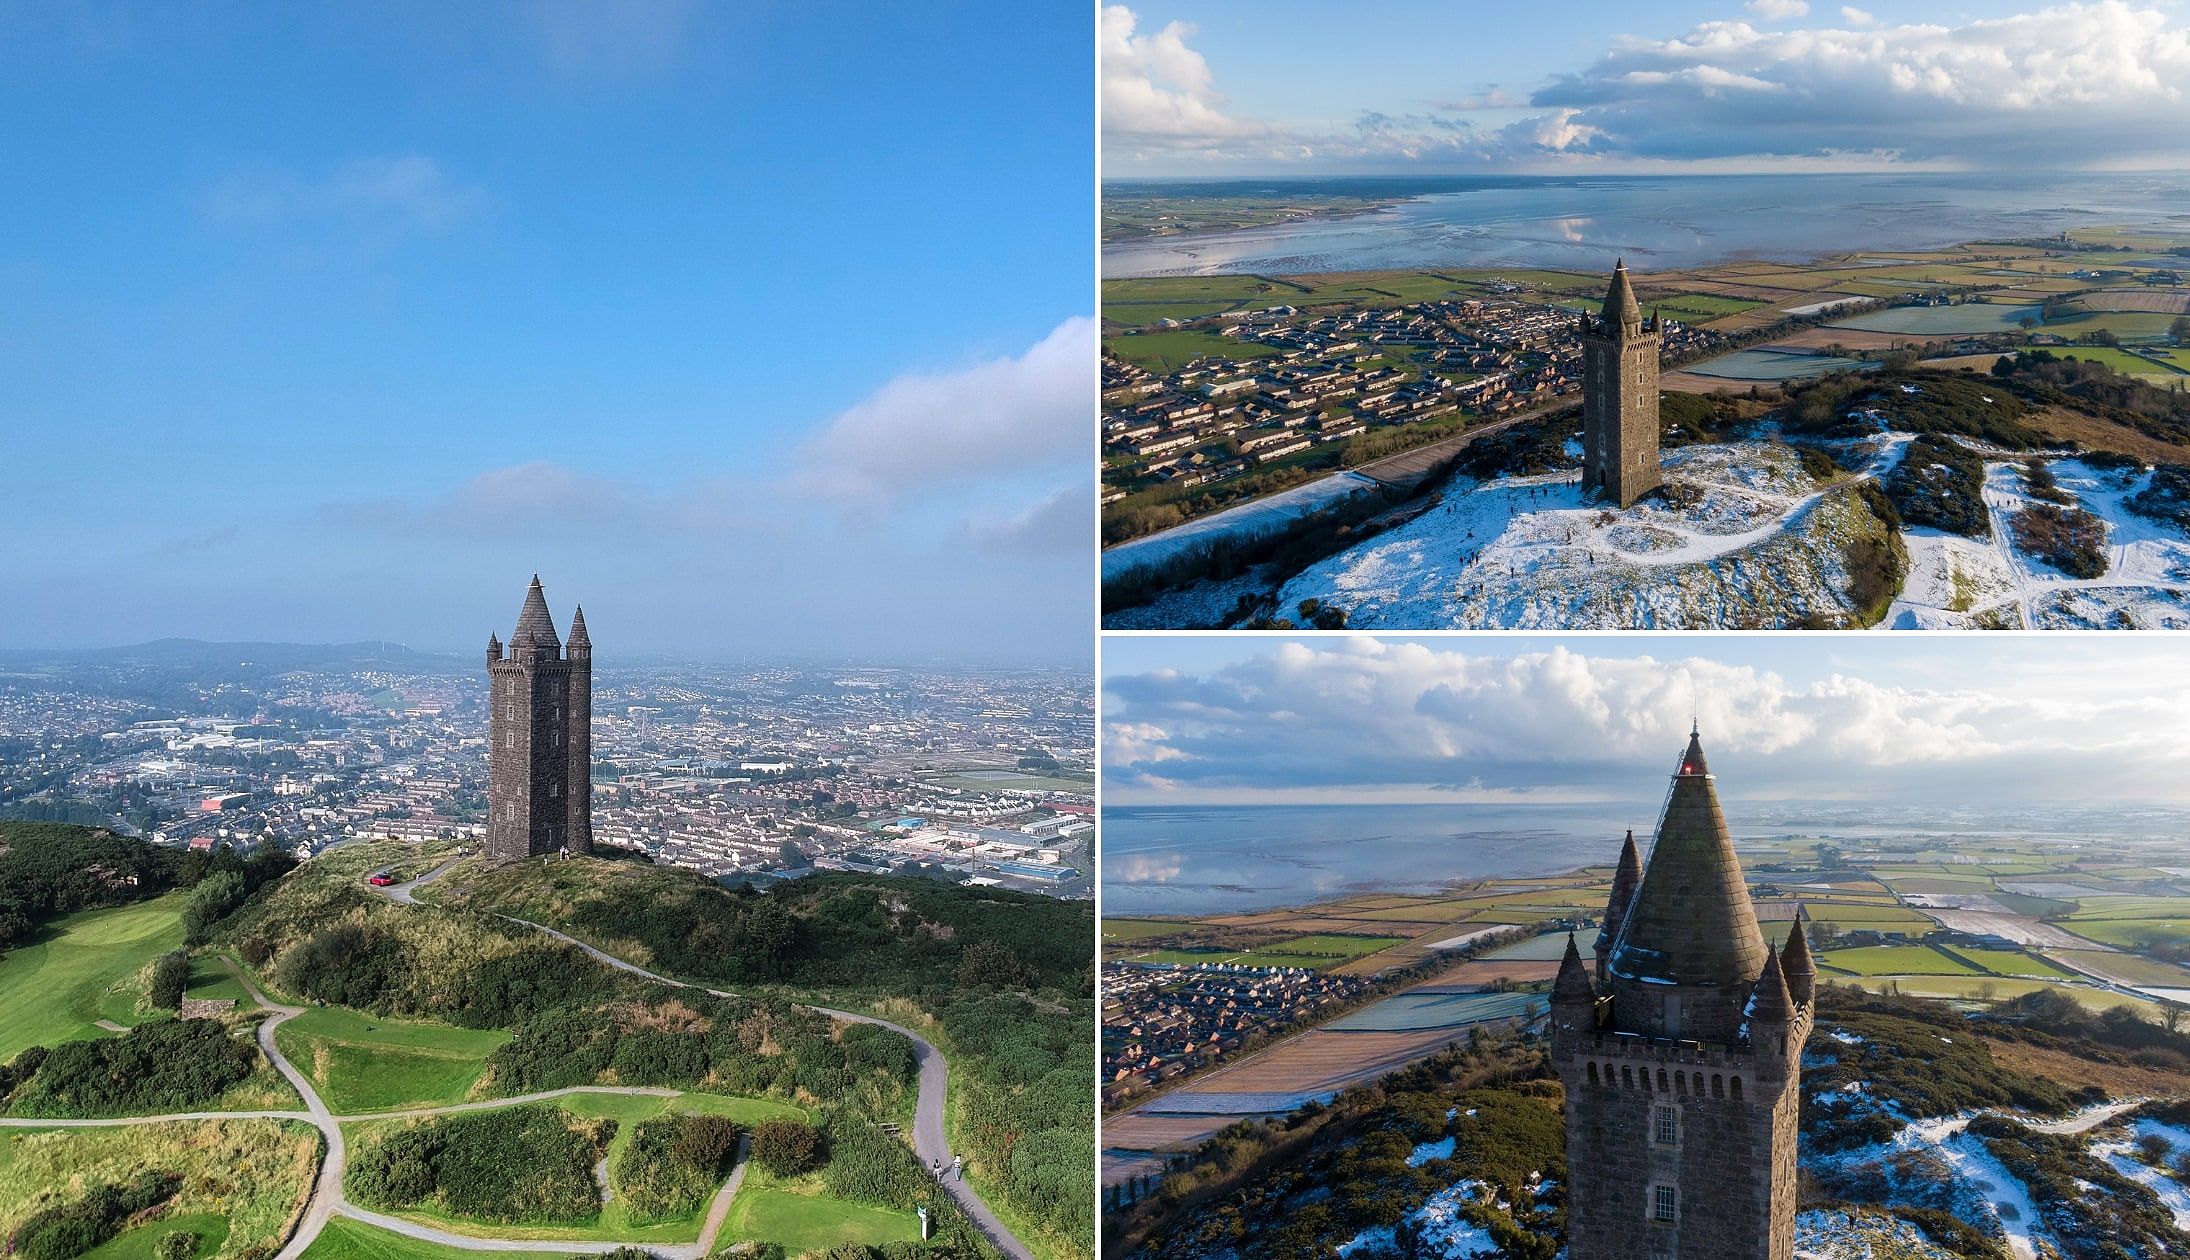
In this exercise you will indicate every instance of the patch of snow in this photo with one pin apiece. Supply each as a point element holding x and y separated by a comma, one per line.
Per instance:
<point>1447,1233</point>
<point>1374,1238</point>
<point>2173,1195</point>
<point>1846,1038</point>
<point>1427,1151</point>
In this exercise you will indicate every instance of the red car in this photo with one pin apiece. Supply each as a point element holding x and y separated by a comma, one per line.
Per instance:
<point>380,879</point>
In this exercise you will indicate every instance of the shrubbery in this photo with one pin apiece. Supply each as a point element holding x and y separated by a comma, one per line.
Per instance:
<point>672,1164</point>
<point>67,1230</point>
<point>176,1244</point>
<point>2068,538</point>
<point>1524,450</point>
<point>730,1044</point>
<point>214,899</point>
<point>517,1165</point>
<point>2091,1210</point>
<point>1940,483</point>
<point>787,1148</point>
<point>2166,499</point>
<point>159,1066</point>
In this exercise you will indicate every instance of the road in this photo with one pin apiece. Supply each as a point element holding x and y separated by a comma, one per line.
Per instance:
<point>930,1142</point>
<point>327,1199</point>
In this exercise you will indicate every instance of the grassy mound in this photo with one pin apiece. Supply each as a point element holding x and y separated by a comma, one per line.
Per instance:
<point>525,1165</point>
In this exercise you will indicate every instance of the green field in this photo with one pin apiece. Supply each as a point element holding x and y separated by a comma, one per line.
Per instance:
<point>1999,988</point>
<point>137,1244</point>
<point>56,989</point>
<point>346,1239</point>
<point>1176,347</point>
<point>1336,946</point>
<point>1243,958</point>
<point>2130,933</point>
<point>804,1220</point>
<point>362,1063</point>
<point>1141,929</point>
<point>2009,962</point>
<point>2121,361</point>
<point>1702,308</point>
<point>1894,960</point>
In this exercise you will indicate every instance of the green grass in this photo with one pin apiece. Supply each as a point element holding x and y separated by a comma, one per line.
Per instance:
<point>2119,360</point>
<point>1174,348</point>
<point>811,1222</point>
<point>1894,960</point>
<point>363,1063</point>
<point>2011,962</point>
<point>55,989</point>
<point>1140,929</point>
<point>2130,933</point>
<point>1339,946</point>
<point>210,980</point>
<point>1997,989</point>
<point>346,1239</point>
<point>137,1244</point>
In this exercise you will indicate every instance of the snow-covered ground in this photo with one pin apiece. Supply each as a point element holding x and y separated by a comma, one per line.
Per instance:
<point>1256,517</point>
<point>1760,544</point>
<point>1844,1235</point>
<point>1444,1230</point>
<point>1958,583</point>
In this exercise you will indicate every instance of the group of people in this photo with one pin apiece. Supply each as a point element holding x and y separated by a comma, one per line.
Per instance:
<point>958,1168</point>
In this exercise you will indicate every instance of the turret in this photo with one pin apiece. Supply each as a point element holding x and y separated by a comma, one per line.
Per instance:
<point>581,646</point>
<point>1573,997</point>
<point>494,648</point>
<point>1624,882</point>
<point>1799,968</point>
<point>1770,1003</point>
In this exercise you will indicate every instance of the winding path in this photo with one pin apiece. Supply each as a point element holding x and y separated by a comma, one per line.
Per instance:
<point>327,1199</point>
<point>930,1142</point>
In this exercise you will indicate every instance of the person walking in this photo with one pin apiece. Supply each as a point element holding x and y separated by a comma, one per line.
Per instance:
<point>958,1167</point>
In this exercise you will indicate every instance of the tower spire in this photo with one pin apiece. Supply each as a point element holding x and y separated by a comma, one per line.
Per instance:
<point>1625,880</point>
<point>535,628</point>
<point>1622,313</point>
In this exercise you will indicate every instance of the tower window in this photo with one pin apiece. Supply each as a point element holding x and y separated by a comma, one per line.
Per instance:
<point>555,789</point>
<point>1665,1202</point>
<point>1668,1129</point>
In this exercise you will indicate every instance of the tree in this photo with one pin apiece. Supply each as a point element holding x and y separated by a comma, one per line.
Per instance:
<point>170,977</point>
<point>2180,330</point>
<point>986,963</point>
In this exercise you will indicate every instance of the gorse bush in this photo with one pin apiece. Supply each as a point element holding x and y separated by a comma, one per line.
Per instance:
<point>1940,483</point>
<point>158,1066</point>
<point>787,1148</point>
<point>517,1165</point>
<point>673,1164</point>
<point>214,899</point>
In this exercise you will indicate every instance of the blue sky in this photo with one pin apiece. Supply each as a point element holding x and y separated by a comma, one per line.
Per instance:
<point>334,322</point>
<point>1207,87</point>
<point>1520,718</point>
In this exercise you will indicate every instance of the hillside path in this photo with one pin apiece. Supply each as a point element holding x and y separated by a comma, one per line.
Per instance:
<point>930,1140</point>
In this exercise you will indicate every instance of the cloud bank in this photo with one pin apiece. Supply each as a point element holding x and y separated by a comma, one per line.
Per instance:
<point>2103,83</point>
<point>1369,719</point>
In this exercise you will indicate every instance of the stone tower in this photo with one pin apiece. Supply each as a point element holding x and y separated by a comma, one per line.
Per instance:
<point>1620,397</point>
<point>1682,1057</point>
<point>540,751</point>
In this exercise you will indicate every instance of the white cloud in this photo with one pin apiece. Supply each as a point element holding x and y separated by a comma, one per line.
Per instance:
<point>401,191</point>
<point>994,418</point>
<point>1779,10</point>
<point>1060,524</point>
<point>1856,17</point>
<point>1155,87</point>
<point>1367,716</point>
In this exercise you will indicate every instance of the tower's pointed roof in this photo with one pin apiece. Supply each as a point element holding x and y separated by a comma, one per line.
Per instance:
<point>1691,922</point>
<point>1624,882</point>
<point>1573,982</point>
<point>578,637</point>
<point>1621,310</point>
<point>534,625</point>
<point>1771,1004</point>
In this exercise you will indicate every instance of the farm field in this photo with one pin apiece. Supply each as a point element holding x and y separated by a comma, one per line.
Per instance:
<point>1174,348</point>
<point>1893,960</point>
<point>57,988</point>
<point>1997,988</point>
<point>362,1063</point>
<point>1140,929</point>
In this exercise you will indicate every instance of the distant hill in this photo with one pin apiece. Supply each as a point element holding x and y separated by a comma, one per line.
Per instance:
<point>200,654</point>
